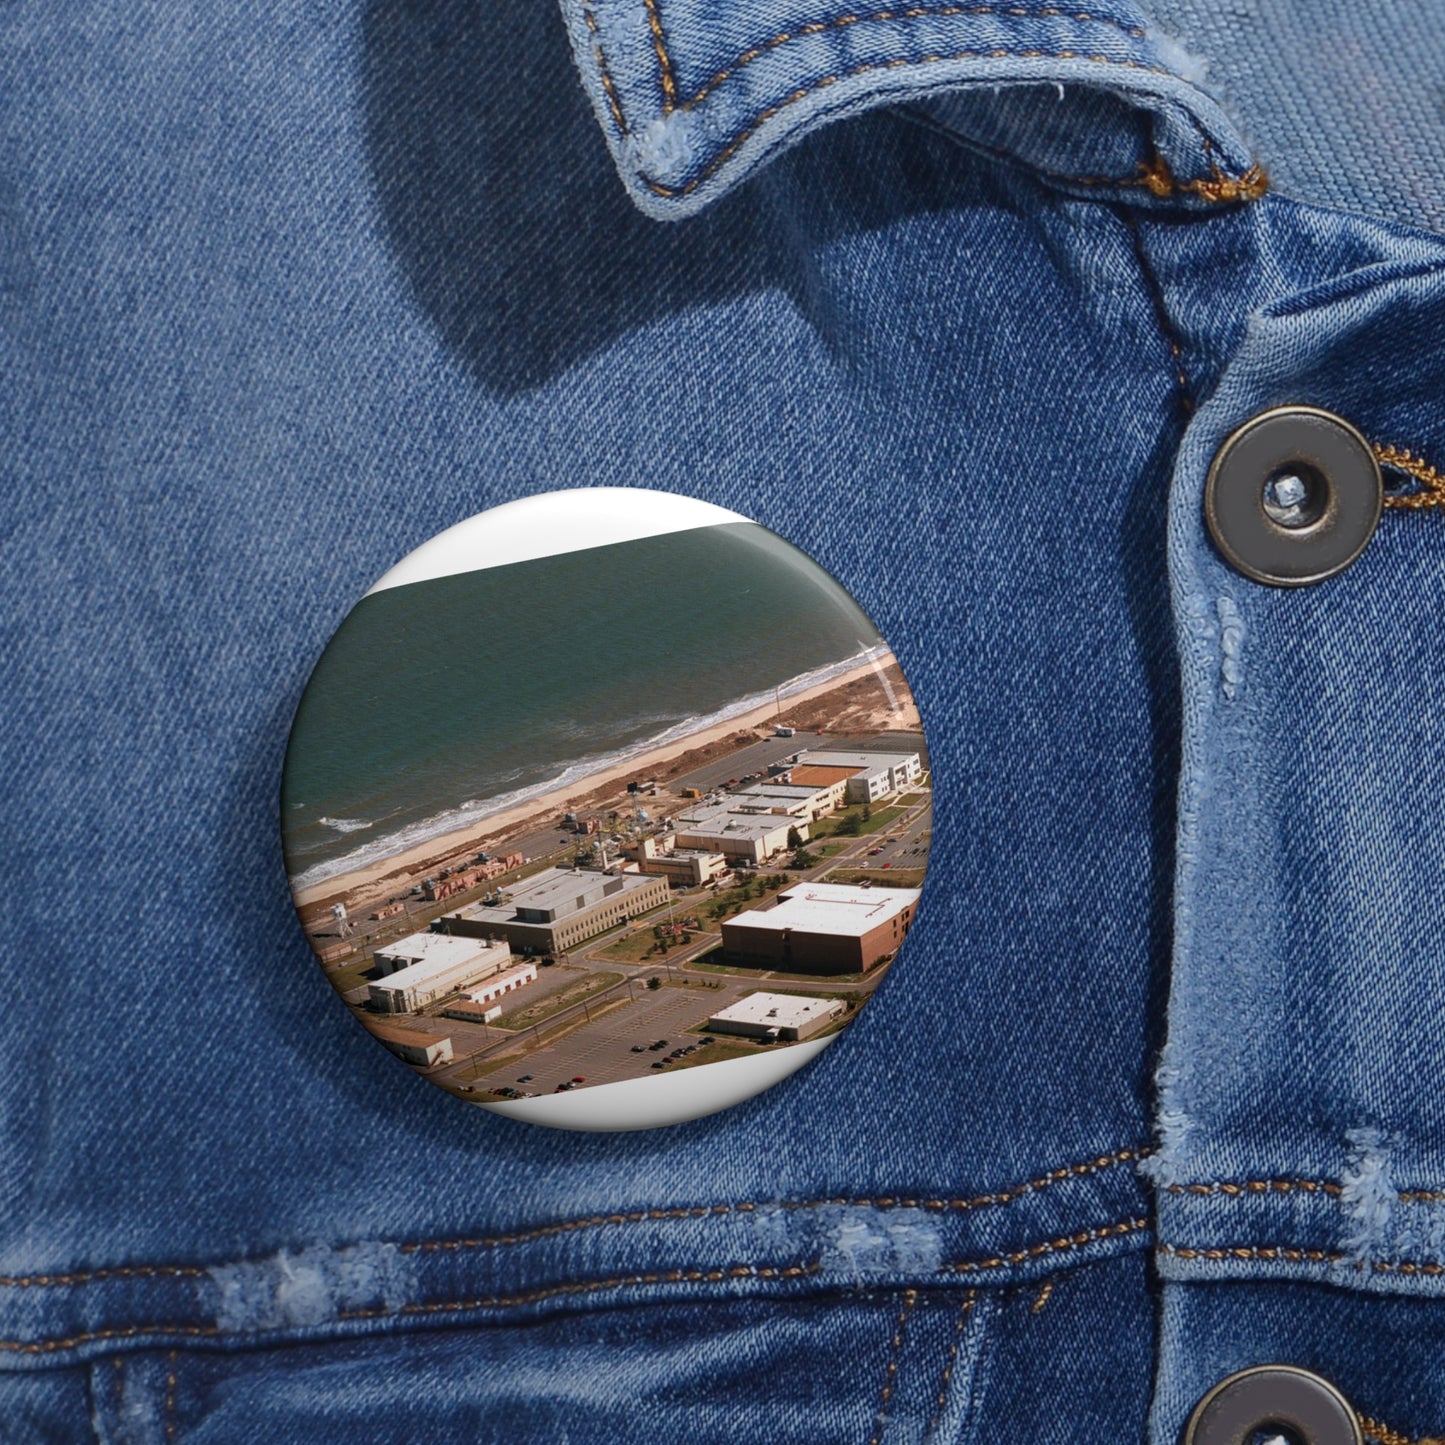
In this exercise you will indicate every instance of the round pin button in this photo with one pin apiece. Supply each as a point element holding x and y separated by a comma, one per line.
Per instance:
<point>606,809</point>
<point>1273,1399</point>
<point>1293,496</point>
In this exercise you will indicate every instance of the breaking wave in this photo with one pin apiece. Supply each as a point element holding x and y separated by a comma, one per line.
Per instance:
<point>346,825</point>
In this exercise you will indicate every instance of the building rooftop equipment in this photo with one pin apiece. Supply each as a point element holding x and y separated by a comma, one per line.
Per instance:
<point>555,894</point>
<point>857,761</point>
<point>431,948</point>
<point>782,794</point>
<point>842,910</point>
<point>776,1010</point>
<point>722,822</point>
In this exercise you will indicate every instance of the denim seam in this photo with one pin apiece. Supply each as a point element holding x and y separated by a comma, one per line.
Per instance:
<point>951,1360</point>
<point>664,60</point>
<point>1162,319</point>
<point>1053,1246</point>
<point>536,1296</point>
<point>614,103</point>
<point>1431,480</point>
<point>1045,1294</point>
<point>1155,176</point>
<point>170,1400</point>
<point>1234,1190</point>
<point>998,1198</point>
<point>913,12</point>
<point>1382,1433</point>
<point>1218,189</point>
<point>667,71</point>
<point>890,1375</point>
<point>1237,1189</point>
<point>1214,1254</point>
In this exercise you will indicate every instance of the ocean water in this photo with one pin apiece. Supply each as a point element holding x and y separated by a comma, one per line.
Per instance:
<point>440,703</point>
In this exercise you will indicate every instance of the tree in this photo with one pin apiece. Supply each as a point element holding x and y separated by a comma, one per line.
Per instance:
<point>867,811</point>
<point>803,859</point>
<point>850,825</point>
<point>654,982</point>
<point>795,838</point>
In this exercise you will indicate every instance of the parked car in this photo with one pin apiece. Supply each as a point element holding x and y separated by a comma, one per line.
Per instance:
<point>639,1048</point>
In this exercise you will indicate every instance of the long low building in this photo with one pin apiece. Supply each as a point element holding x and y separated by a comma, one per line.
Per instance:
<point>786,1017</point>
<point>686,867</point>
<point>824,928</point>
<point>414,1045</point>
<point>809,804</point>
<point>424,967</point>
<point>559,908</point>
<point>738,836</point>
<point>481,1004</point>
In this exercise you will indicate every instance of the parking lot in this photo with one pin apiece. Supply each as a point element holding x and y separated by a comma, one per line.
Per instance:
<point>602,1052</point>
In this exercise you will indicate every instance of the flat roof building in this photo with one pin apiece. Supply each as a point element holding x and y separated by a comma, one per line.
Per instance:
<point>824,928</point>
<point>816,775</point>
<point>480,1004</point>
<point>778,797</point>
<point>750,837</point>
<point>559,908</point>
<point>686,867</point>
<point>414,1045</point>
<point>779,1016</point>
<point>424,967</point>
<point>874,775</point>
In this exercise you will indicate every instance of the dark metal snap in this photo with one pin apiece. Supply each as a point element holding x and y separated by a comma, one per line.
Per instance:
<point>1278,1399</point>
<point>1293,496</point>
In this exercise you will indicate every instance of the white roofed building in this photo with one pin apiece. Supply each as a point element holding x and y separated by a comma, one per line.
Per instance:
<point>786,1017</point>
<point>825,928</point>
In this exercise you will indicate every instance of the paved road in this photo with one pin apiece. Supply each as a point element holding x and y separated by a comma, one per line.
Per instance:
<point>602,1053</point>
<point>754,758</point>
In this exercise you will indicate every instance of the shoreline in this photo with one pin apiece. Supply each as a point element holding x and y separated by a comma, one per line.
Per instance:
<point>364,885</point>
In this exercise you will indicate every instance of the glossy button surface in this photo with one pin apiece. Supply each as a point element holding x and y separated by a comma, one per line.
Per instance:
<point>1273,1399</point>
<point>606,809</point>
<point>1293,496</point>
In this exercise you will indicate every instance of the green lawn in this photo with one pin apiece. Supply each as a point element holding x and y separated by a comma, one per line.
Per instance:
<point>879,877</point>
<point>834,827</point>
<point>641,947</point>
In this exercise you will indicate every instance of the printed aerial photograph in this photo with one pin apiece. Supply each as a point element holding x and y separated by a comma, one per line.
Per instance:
<point>619,813</point>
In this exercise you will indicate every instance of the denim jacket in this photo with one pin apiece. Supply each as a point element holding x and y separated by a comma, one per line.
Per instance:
<point>961,299</point>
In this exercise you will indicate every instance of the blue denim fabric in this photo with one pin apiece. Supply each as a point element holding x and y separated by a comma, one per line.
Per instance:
<point>285,294</point>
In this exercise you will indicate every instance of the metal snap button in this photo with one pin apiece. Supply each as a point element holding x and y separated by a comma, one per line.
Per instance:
<point>1280,1399</point>
<point>1293,496</point>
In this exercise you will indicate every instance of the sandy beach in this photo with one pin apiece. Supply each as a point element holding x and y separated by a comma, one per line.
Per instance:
<point>856,702</point>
